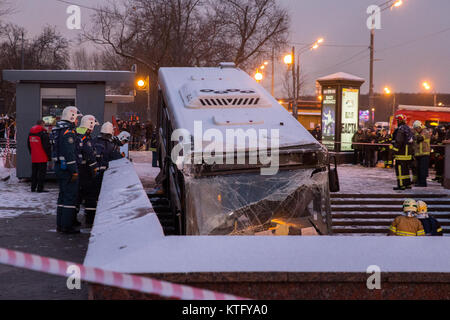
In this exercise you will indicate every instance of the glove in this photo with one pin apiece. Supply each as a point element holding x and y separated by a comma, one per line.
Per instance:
<point>74,177</point>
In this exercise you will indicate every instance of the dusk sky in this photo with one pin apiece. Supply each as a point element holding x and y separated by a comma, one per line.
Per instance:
<point>407,46</point>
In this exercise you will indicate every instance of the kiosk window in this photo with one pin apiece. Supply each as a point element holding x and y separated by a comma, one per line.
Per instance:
<point>52,110</point>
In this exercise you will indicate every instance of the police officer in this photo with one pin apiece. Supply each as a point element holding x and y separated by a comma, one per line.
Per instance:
<point>402,147</point>
<point>107,150</point>
<point>87,169</point>
<point>65,155</point>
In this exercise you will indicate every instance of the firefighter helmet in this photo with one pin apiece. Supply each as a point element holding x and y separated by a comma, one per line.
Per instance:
<point>410,207</point>
<point>422,207</point>
<point>70,114</point>
<point>107,128</point>
<point>400,118</point>
<point>124,137</point>
<point>89,122</point>
<point>417,124</point>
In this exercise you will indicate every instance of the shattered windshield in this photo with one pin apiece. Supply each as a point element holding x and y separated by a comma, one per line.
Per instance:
<point>248,203</point>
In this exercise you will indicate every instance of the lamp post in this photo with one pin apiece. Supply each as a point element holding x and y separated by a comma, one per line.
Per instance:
<point>295,65</point>
<point>426,85</point>
<point>388,92</point>
<point>388,5</point>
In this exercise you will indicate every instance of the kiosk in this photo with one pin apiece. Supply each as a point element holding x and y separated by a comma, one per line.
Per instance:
<point>340,110</point>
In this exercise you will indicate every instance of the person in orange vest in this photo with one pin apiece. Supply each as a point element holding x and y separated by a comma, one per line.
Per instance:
<point>407,225</point>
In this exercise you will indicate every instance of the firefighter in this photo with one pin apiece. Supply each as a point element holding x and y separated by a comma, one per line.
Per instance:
<point>439,154</point>
<point>402,147</point>
<point>422,150</point>
<point>386,151</point>
<point>430,224</point>
<point>66,159</point>
<point>124,139</point>
<point>407,225</point>
<point>87,170</point>
<point>107,150</point>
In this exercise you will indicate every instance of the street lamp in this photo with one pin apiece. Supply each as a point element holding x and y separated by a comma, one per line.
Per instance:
<point>289,60</point>
<point>427,86</point>
<point>258,76</point>
<point>144,85</point>
<point>388,92</point>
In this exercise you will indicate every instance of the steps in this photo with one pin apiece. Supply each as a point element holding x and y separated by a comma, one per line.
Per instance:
<point>372,214</point>
<point>162,208</point>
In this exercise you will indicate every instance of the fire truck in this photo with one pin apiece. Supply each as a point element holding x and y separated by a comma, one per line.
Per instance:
<point>430,116</point>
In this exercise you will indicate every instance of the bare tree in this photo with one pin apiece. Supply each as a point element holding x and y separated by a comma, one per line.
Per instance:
<point>83,60</point>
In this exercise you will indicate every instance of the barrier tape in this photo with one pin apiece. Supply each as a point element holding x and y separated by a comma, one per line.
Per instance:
<point>110,278</point>
<point>373,144</point>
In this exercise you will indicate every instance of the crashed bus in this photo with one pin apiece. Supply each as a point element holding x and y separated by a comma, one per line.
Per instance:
<point>233,160</point>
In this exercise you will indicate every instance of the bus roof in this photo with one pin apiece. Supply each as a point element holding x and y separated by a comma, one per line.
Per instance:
<point>227,98</point>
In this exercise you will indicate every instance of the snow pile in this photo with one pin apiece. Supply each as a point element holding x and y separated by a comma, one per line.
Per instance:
<point>142,161</point>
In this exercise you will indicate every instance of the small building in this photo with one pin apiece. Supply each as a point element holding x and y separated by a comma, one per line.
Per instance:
<point>43,94</point>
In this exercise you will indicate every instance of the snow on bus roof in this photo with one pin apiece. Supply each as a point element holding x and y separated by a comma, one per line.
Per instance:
<point>190,92</point>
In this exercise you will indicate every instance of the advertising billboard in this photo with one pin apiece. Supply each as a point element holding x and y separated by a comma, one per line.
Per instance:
<point>349,119</point>
<point>329,118</point>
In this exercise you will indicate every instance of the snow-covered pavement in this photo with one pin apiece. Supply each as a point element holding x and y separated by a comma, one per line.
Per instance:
<point>362,180</point>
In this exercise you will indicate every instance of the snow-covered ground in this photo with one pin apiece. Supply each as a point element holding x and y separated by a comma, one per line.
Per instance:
<point>359,179</point>
<point>17,199</point>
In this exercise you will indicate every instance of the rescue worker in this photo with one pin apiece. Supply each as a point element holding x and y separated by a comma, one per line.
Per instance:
<point>107,150</point>
<point>430,224</point>
<point>40,150</point>
<point>385,151</point>
<point>439,154</point>
<point>422,150</point>
<point>65,155</point>
<point>402,147</point>
<point>87,170</point>
<point>407,225</point>
<point>124,139</point>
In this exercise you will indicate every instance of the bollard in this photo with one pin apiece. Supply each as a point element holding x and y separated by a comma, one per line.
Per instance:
<point>447,165</point>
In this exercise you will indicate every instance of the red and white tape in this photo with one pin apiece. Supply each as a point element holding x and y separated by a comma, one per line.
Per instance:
<point>109,278</point>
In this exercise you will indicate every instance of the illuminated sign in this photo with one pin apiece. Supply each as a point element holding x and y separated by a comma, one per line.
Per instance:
<point>349,119</point>
<point>329,118</point>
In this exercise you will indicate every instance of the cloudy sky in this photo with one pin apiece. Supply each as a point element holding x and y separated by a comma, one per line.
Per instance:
<point>413,44</point>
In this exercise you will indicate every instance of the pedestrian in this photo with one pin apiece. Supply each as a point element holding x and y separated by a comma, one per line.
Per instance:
<point>422,150</point>
<point>430,224</point>
<point>358,138</point>
<point>65,155</point>
<point>40,150</point>
<point>407,225</point>
<point>317,133</point>
<point>402,146</point>
<point>87,169</point>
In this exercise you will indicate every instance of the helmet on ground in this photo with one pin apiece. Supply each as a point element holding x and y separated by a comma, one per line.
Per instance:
<point>107,128</point>
<point>71,114</point>
<point>89,122</point>
<point>422,208</point>
<point>410,207</point>
<point>417,124</point>
<point>400,118</point>
<point>124,137</point>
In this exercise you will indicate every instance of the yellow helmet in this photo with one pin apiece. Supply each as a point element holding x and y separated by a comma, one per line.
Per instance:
<point>410,206</point>
<point>422,207</point>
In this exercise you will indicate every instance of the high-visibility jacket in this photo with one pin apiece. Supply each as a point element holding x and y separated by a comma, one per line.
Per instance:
<point>407,227</point>
<point>422,143</point>
<point>402,143</point>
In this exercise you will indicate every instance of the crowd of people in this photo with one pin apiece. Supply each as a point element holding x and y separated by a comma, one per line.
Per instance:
<point>79,163</point>
<point>143,135</point>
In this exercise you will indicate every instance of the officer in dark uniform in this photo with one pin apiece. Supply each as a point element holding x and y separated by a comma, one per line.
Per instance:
<point>107,149</point>
<point>402,146</point>
<point>66,158</point>
<point>87,169</point>
<point>385,151</point>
